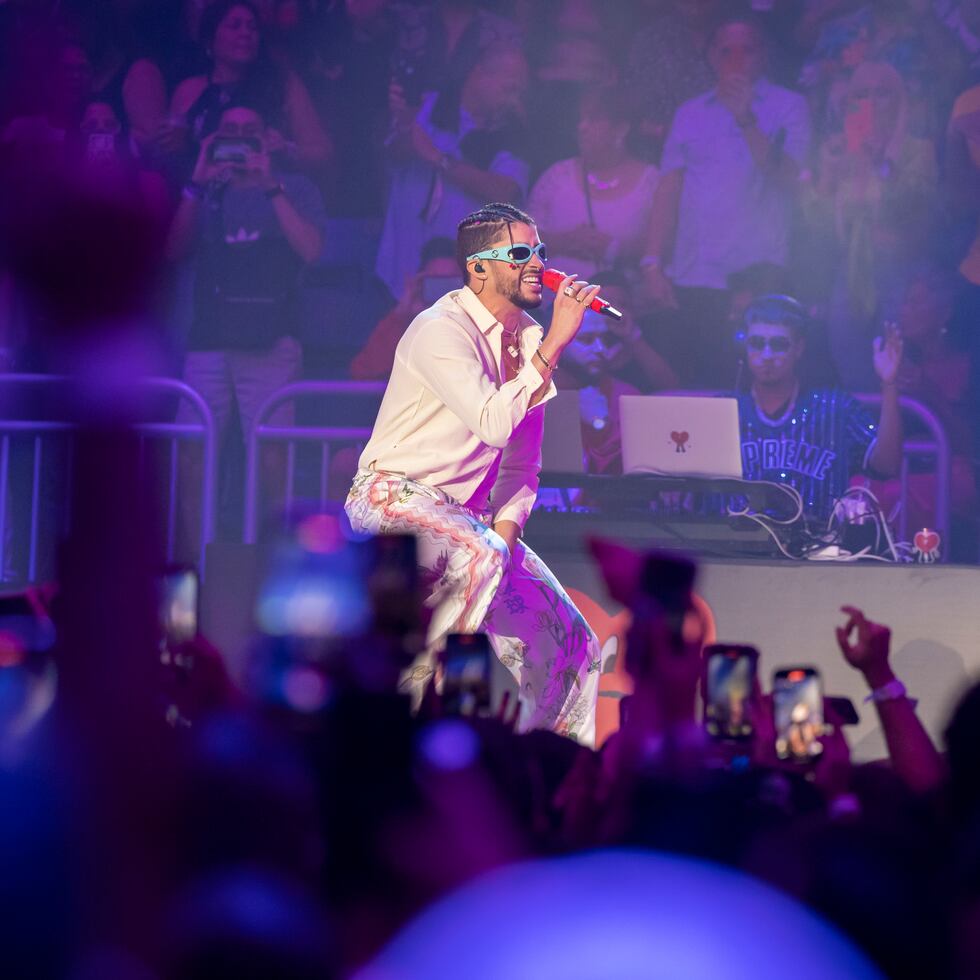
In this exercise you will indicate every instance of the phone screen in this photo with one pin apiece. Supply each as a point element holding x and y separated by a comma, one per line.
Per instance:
<point>797,699</point>
<point>466,685</point>
<point>729,679</point>
<point>178,605</point>
<point>233,150</point>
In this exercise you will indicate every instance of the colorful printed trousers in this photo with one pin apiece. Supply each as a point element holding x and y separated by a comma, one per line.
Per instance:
<point>473,584</point>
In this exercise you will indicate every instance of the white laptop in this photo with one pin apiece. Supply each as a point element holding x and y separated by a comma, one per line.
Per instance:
<point>680,435</point>
<point>561,444</point>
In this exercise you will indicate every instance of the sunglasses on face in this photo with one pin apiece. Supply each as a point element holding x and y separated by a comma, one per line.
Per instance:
<point>518,254</point>
<point>778,345</point>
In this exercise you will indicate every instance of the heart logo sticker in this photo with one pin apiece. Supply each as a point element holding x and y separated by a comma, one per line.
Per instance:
<point>926,546</point>
<point>679,439</point>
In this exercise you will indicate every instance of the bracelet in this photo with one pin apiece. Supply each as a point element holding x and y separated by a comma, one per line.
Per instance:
<point>544,360</point>
<point>894,690</point>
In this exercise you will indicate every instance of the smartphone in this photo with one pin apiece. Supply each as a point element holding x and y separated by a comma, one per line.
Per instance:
<point>435,287</point>
<point>227,149</point>
<point>797,701</point>
<point>729,677</point>
<point>179,603</point>
<point>466,682</point>
<point>408,73</point>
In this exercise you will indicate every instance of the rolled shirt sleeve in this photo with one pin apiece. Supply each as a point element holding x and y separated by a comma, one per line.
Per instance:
<point>516,487</point>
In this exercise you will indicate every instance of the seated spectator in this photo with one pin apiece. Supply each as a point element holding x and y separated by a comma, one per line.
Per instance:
<point>594,209</point>
<point>106,150</point>
<point>936,370</point>
<point>240,70</point>
<point>462,148</point>
<point>608,359</point>
<point>437,275</point>
<point>728,182</point>
<point>440,41</point>
<point>809,438</point>
<point>124,75</point>
<point>875,197</point>
<point>248,231</point>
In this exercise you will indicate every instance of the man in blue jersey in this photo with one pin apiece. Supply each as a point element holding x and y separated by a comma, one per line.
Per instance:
<point>813,439</point>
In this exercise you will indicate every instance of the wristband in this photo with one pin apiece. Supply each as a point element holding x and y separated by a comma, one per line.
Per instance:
<point>894,690</point>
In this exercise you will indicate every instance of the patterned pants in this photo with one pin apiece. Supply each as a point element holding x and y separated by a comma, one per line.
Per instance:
<point>474,585</point>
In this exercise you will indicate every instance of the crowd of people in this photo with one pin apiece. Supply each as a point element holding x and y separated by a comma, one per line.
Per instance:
<point>311,159</point>
<point>781,197</point>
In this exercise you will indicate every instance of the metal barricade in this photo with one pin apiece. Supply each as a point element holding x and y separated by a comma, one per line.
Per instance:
<point>38,430</point>
<point>263,432</point>
<point>935,447</point>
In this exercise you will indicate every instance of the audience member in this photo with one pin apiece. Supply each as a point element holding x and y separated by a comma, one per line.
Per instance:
<point>937,370</point>
<point>876,193</point>
<point>728,182</point>
<point>437,274</point>
<point>809,438</point>
<point>239,69</point>
<point>595,208</point>
<point>463,147</point>
<point>608,359</point>
<point>248,230</point>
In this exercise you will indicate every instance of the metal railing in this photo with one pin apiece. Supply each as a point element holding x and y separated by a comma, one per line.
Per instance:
<point>37,431</point>
<point>263,432</point>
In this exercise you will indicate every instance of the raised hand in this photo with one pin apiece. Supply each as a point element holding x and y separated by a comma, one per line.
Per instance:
<point>865,646</point>
<point>887,354</point>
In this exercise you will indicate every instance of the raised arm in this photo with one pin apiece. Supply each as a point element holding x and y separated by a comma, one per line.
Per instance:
<point>866,647</point>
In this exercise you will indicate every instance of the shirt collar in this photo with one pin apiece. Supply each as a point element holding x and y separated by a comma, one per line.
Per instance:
<point>759,89</point>
<point>485,321</point>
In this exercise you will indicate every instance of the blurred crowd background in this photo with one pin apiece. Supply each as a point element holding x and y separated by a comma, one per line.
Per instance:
<point>242,195</point>
<point>629,130</point>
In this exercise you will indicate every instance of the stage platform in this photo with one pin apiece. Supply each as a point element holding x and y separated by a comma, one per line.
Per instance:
<point>789,609</point>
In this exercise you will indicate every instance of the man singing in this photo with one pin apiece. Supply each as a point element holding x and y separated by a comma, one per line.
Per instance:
<point>454,460</point>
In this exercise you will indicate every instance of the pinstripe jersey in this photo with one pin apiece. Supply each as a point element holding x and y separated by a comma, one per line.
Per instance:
<point>823,437</point>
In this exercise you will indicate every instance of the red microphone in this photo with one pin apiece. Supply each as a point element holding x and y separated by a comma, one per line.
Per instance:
<point>552,279</point>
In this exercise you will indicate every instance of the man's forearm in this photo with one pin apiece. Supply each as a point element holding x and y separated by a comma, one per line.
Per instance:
<point>886,459</point>
<point>304,237</point>
<point>483,184</point>
<point>663,217</point>
<point>768,157</point>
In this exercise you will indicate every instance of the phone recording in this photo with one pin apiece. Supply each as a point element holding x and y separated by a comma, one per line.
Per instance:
<point>729,678</point>
<point>227,149</point>
<point>797,700</point>
<point>466,682</point>
<point>178,598</point>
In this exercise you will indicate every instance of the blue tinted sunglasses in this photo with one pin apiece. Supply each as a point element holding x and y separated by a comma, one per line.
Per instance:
<point>518,254</point>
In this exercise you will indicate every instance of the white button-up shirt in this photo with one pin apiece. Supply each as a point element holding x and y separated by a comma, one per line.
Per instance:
<point>448,420</point>
<point>731,214</point>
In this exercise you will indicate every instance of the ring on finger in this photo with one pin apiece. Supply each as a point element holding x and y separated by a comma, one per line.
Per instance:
<point>568,291</point>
